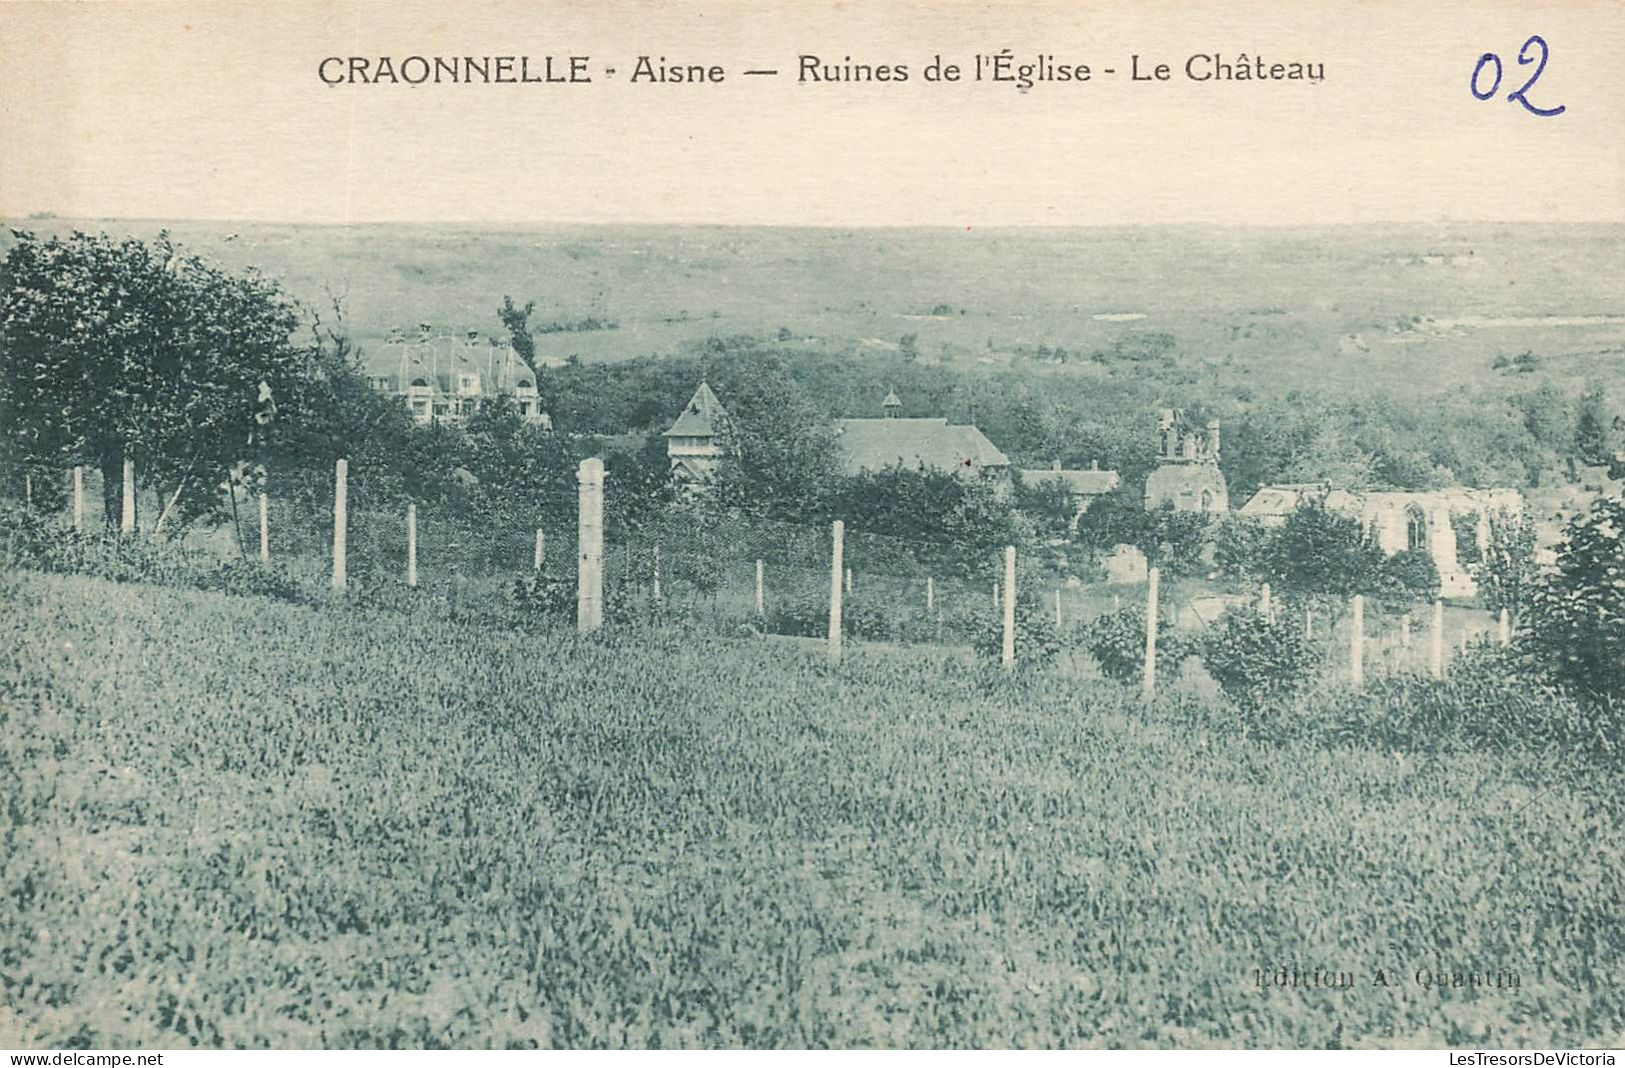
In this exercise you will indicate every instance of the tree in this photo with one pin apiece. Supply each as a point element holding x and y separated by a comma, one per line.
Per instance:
<point>1319,554</point>
<point>1592,427</point>
<point>1575,626</point>
<point>1506,572</point>
<point>113,349</point>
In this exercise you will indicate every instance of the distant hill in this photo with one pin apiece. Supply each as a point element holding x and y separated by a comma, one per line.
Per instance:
<point>1422,309</point>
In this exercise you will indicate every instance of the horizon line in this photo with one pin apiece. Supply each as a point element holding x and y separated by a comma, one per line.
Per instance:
<point>41,215</point>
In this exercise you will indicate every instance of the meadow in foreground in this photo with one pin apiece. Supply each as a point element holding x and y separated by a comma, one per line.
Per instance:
<point>231,821</point>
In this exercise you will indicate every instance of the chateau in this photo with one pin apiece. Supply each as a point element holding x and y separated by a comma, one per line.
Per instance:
<point>444,378</point>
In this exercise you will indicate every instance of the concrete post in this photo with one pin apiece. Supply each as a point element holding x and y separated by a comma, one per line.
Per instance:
<point>412,545</point>
<point>1357,644</point>
<point>849,580</point>
<point>1057,609</point>
<point>837,540</point>
<point>1149,681</point>
<point>1405,631</point>
<point>1008,652</point>
<point>761,600</point>
<point>930,594</point>
<point>78,498</point>
<point>265,529</point>
<point>657,574</point>
<point>540,552</point>
<point>127,517</point>
<point>341,523</point>
<point>590,532</point>
<point>1436,641</point>
<point>1504,628</point>
<point>1264,607</point>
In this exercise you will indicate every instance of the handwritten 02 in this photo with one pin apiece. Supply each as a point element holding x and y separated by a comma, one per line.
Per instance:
<point>1524,59</point>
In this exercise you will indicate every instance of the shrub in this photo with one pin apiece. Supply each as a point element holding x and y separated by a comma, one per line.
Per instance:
<point>1253,656</point>
<point>1116,640</point>
<point>1037,640</point>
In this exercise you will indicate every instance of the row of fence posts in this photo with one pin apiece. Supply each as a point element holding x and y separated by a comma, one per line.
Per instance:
<point>590,575</point>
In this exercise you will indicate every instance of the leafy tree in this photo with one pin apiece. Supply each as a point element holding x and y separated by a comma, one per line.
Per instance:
<point>1322,555</point>
<point>113,348</point>
<point>1593,437</point>
<point>1506,572</point>
<point>1049,503</point>
<point>1575,625</point>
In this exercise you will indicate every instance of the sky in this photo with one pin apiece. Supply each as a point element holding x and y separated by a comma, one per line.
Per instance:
<point>216,111</point>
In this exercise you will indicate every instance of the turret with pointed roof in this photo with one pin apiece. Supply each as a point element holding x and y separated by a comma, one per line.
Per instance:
<point>695,443</point>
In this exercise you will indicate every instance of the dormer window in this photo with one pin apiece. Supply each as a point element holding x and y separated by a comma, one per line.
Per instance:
<point>468,383</point>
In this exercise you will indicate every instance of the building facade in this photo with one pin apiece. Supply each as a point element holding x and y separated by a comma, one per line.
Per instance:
<point>1400,520</point>
<point>1187,477</point>
<point>441,378</point>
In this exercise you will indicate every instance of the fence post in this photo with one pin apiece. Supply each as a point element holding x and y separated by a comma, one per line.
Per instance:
<point>265,528</point>
<point>1149,682</point>
<point>1436,652</point>
<point>657,574</point>
<point>28,491</point>
<point>590,531</point>
<point>849,580</point>
<point>930,594</point>
<point>1405,631</point>
<point>837,537</point>
<point>540,551</point>
<point>127,516</point>
<point>1308,624</point>
<point>1057,609</point>
<point>1504,628</point>
<point>412,545</point>
<point>78,497</point>
<point>996,601</point>
<point>1008,653</point>
<point>1264,607</point>
<point>761,600</point>
<point>341,523</point>
<point>1357,644</point>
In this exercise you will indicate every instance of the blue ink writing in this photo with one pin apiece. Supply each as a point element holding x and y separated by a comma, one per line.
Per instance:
<point>1524,59</point>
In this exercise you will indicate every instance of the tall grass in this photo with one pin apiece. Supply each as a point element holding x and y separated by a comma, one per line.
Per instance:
<point>240,822</point>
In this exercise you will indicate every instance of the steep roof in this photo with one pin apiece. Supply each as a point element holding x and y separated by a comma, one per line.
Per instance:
<point>438,360</point>
<point>876,444</point>
<point>702,418</point>
<point>1090,483</point>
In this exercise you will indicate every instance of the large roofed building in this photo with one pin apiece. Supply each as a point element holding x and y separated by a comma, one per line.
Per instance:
<point>873,445</point>
<point>440,377</point>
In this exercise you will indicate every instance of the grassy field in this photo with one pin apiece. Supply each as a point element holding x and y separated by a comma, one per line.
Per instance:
<point>1329,307</point>
<point>236,822</point>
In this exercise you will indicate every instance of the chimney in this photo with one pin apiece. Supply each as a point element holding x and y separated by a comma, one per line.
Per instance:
<point>1055,465</point>
<point>1213,438</point>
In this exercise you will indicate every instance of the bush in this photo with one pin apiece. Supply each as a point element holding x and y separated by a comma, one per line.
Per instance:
<point>1405,578</point>
<point>1037,640</point>
<point>1116,640</point>
<point>1253,656</point>
<point>41,544</point>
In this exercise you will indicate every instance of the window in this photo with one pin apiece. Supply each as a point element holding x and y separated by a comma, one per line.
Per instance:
<point>468,383</point>
<point>1416,528</point>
